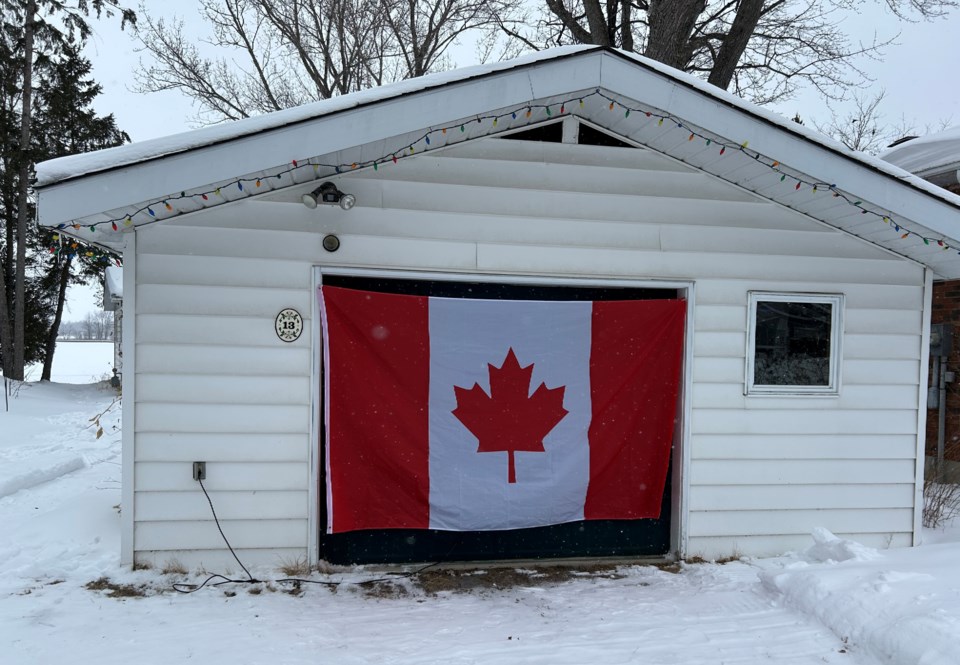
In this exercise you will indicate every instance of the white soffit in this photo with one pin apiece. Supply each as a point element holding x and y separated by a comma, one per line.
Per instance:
<point>673,114</point>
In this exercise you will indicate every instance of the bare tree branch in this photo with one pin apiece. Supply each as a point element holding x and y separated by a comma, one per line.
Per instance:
<point>761,49</point>
<point>272,54</point>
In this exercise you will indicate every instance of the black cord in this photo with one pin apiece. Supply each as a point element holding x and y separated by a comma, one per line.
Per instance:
<point>222,535</point>
<point>181,587</point>
<point>191,588</point>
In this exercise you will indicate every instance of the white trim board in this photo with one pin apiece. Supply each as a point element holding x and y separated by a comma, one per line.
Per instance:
<point>128,405</point>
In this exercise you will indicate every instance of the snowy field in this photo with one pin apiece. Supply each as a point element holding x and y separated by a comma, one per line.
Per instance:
<point>77,362</point>
<point>836,602</point>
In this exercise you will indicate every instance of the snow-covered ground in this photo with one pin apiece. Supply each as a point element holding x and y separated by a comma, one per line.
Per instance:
<point>837,602</point>
<point>77,362</point>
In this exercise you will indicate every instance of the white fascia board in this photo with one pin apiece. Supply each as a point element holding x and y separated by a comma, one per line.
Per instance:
<point>64,168</point>
<point>620,76</point>
<point>152,180</point>
<point>807,156</point>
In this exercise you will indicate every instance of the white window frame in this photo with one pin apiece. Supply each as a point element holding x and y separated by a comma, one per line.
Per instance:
<point>836,337</point>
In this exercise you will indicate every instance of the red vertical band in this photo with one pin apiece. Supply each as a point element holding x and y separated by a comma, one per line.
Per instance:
<point>377,353</point>
<point>636,353</point>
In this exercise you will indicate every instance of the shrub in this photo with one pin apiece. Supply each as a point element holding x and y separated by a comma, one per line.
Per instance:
<point>941,494</point>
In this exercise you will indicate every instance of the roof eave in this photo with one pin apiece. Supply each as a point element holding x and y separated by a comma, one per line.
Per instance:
<point>76,197</point>
<point>880,185</point>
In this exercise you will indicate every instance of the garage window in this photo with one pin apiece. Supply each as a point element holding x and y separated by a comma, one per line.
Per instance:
<point>793,344</point>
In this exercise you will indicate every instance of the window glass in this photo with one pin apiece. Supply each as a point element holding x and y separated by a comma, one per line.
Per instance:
<point>793,343</point>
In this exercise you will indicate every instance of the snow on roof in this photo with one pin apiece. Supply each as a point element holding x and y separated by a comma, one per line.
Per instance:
<point>928,154</point>
<point>63,168</point>
<point>113,283</point>
<point>175,174</point>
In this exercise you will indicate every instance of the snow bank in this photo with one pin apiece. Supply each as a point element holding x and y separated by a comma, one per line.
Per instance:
<point>37,476</point>
<point>828,548</point>
<point>898,605</point>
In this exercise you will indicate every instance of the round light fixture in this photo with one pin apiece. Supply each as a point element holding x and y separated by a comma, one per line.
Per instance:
<point>309,200</point>
<point>331,243</point>
<point>347,201</point>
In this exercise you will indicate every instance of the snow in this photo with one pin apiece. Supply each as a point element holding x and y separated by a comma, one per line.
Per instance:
<point>901,606</point>
<point>77,362</point>
<point>835,602</point>
<point>927,154</point>
<point>113,282</point>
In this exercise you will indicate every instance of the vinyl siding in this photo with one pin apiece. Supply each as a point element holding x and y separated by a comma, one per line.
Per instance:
<point>213,382</point>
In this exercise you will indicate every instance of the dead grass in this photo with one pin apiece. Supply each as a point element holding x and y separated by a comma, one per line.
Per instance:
<point>115,590</point>
<point>699,559</point>
<point>295,567</point>
<point>173,567</point>
<point>433,582</point>
<point>385,589</point>
<point>391,586</point>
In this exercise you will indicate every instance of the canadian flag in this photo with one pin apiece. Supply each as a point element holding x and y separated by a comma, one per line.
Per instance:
<point>468,415</point>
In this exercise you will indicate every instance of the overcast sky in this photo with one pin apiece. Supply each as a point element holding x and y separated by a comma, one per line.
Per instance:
<point>919,75</point>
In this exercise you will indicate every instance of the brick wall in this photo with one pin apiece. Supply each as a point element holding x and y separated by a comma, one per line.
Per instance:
<point>946,309</point>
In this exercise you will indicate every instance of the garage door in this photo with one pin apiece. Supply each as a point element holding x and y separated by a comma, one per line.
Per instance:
<point>383,501</point>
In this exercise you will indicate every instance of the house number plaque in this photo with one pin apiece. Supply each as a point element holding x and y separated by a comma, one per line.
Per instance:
<point>289,325</point>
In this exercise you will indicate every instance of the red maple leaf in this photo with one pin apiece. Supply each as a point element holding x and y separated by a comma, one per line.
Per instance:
<point>509,418</point>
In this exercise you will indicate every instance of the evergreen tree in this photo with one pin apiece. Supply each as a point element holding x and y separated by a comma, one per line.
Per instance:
<point>42,75</point>
<point>35,37</point>
<point>66,124</point>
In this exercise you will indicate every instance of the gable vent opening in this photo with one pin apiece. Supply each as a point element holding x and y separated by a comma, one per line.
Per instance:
<point>553,132</point>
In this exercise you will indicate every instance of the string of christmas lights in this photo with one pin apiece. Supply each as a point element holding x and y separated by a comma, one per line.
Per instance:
<point>158,210</point>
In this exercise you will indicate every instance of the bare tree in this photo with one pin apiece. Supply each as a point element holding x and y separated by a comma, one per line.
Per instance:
<point>763,50</point>
<point>860,128</point>
<point>97,325</point>
<point>71,330</point>
<point>273,54</point>
<point>863,127</point>
<point>421,32</point>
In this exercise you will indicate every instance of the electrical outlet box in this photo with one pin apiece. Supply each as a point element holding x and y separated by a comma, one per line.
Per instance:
<point>199,470</point>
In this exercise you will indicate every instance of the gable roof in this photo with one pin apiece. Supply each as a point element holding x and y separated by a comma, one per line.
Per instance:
<point>929,156</point>
<point>100,196</point>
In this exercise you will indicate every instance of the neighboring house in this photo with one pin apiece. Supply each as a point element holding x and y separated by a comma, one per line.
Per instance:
<point>936,158</point>
<point>803,274</point>
<point>113,302</point>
